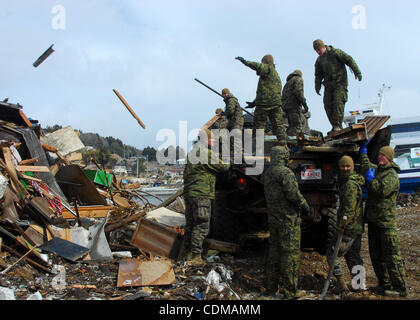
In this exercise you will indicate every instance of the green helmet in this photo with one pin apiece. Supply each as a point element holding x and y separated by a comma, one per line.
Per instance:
<point>268,59</point>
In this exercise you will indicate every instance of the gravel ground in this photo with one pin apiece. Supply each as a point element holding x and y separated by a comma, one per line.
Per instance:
<point>98,281</point>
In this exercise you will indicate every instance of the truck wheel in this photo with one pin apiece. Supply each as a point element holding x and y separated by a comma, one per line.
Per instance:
<point>326,230</point>
<point>223,225</point>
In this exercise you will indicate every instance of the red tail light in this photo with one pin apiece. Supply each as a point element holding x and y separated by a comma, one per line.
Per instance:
<point>327,168</point>
<point>242,183</point>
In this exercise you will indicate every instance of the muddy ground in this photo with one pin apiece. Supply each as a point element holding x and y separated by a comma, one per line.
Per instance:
<point>98,281</point>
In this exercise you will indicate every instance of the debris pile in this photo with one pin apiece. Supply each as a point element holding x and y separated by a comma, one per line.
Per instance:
<point>72,231</point>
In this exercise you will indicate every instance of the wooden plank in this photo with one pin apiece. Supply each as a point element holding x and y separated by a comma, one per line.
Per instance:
<point>88,212</point>
<point>7,154</point>
<point>129,109</point>
<point>24,176</point>
<point>210,122</point>
<point>33,168</point>
<point>28,162</point>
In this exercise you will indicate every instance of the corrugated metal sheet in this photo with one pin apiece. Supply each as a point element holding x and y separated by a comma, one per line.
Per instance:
<point>157,239</point>
<point>374,123</point>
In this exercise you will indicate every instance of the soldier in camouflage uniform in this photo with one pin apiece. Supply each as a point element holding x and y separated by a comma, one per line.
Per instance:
<point>293,100</point>
<point>330,70</point>
<point>284,204</point>
<point>233,111</point>
<point>234,121</point>
<point>199,188</point>
<point>351,206</point>
<point>380,212</point>
<point>268,100</point>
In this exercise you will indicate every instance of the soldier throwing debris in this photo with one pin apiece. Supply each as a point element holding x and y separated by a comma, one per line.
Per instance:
<point>383,187</point>
<point>351,206</point>
<point>284,202</point>
<point>199,188</point>
<point>293,100</point>
<point>330,70</point>
<point>268,99</point>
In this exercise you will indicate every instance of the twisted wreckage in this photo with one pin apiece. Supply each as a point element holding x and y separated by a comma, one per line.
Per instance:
<point>54,212</point>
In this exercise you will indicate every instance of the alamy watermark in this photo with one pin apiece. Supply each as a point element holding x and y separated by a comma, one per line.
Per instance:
<point>58,21</point>
<point>229,147</point>
<point>358,281</point>
<point>359,20</point>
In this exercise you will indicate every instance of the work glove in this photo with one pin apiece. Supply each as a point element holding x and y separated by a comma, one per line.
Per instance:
<point>250,105</point>
<point>240,59</point>
<point>363,147</point>
<point>358,76</point>
<point>370,174</point>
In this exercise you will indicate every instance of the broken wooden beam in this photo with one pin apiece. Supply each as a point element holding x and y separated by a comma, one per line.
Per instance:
<point>28,162</point>
<point>30,261</point>
<point>220,246</point>
<point>124,222</point>
<point>33,168</point>
<point>129,109</point>
<point>171,199</point>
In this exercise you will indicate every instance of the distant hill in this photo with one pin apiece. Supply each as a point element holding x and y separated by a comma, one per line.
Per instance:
<point>111,144</point>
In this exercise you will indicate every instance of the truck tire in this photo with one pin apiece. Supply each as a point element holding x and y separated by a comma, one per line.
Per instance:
<point>223,224</point>
<point>326,231</point>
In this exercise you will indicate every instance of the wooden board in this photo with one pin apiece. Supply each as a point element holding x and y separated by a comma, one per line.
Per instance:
<point>88,212</point>
<point>132,273</point>
<point>33,168</point>
<point>74,183</point>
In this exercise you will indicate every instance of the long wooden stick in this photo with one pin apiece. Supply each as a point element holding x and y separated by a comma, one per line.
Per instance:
<point>129,109</point>
<point>23,257</point>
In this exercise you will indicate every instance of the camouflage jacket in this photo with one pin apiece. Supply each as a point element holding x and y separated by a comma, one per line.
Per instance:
<point>330,68</point>
<point>292,95</point>
<point>381,205</point>
<point>200,178</point>
<point>269,84</point>
<point>282,193</point>
<point>233,113</point>
<point>351,204</point>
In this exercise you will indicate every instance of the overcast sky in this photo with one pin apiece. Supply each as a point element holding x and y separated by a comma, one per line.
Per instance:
<point>151,51</point>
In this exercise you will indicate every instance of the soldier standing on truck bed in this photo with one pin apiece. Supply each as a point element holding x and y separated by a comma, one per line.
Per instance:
<point>293,100</point>
<point>233,111</point>
<point>330,70</point>
<point>351,206</point>
<point>232,119</point>
<point>284,202</point>
<point>268,100</point>
<point>380,212</point>
<point>199,187</point>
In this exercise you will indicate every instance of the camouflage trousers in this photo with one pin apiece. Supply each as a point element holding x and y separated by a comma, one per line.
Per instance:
<point>283,261</point>
<point>335,97</point>
<point>350,249</point>
<point>231,146</point>
<point>386,257</point>
<point>296,123</point>
<point>275,114</point>
<point>197,216</point>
